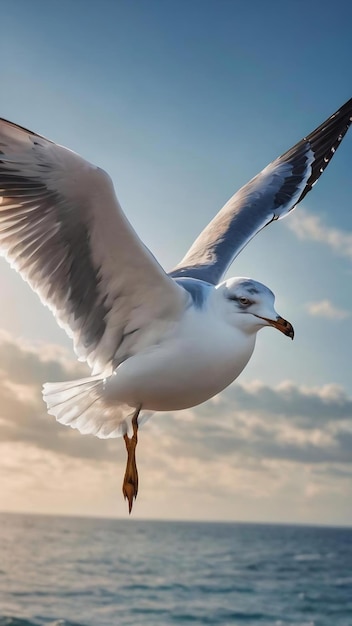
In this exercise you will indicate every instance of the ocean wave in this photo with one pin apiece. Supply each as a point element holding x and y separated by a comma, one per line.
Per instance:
<point>173,574</point>
<point>15,621</point>
<point>315,556</point>
<point>7,620</point>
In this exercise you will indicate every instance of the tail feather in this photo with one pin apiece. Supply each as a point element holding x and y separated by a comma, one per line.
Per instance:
<point>80,404</point>
<point>62,395</point>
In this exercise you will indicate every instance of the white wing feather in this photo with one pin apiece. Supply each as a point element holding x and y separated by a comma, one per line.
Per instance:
<point>62,228</point>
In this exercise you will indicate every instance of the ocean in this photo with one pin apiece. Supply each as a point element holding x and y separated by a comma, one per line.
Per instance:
<point>61,571</point>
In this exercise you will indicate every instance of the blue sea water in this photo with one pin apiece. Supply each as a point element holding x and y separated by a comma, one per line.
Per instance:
<point>67,571</point>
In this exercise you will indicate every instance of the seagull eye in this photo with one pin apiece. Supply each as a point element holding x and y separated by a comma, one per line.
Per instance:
<point>244,301</point>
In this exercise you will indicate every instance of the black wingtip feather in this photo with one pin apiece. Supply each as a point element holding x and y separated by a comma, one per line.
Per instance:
<point>324,141</point>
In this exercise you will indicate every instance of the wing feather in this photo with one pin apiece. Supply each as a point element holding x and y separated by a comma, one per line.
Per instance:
<point>271,195</point>
<point>62,228</point>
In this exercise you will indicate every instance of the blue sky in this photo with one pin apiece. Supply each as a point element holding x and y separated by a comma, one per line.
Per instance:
<point>183,102</point>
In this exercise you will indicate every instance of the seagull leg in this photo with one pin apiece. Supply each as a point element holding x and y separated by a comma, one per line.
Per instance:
<point>130,481</point>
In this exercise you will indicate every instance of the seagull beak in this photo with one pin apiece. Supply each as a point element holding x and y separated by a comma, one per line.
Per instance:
<point>282,325</point>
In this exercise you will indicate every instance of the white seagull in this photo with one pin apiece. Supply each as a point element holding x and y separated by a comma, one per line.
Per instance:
<point>154,341</point>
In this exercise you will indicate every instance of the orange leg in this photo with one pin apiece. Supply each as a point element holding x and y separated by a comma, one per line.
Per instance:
<point>130,481</point>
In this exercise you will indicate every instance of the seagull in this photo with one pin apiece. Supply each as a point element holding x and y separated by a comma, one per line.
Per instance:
<point>154,341</point>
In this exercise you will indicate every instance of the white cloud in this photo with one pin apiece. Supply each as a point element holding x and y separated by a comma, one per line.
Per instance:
<point>251,444</point>
<point>327,310</point>
<point>311,227</point>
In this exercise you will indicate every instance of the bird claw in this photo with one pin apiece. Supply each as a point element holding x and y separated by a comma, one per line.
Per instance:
<point>130,481</point>
<point>130,490</point>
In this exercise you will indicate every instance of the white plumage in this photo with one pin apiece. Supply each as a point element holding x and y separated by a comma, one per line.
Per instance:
<point>153,340</point>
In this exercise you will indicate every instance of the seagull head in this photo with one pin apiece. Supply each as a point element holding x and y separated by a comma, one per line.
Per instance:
<point>249,305</point>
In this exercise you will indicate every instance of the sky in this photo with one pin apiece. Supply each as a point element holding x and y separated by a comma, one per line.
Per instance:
<point>182,103</point>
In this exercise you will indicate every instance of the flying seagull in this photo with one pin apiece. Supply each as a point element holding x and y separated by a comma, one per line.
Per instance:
<point>154,341</point>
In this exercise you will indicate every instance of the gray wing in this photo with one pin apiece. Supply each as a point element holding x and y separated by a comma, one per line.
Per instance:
<point>271,195</point>
<point>63,229</point>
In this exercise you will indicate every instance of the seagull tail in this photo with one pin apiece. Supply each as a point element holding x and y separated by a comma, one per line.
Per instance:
<point>80,404</point>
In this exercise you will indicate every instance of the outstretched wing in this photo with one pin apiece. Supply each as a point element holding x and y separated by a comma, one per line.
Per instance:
<point>62,228</point>
<point>272,194</point>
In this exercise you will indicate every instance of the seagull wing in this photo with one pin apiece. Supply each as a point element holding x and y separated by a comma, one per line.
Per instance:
<point>62,228</point>
<point>271,195</point>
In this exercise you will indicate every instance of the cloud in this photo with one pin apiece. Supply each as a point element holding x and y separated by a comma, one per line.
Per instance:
<point>253,441</point>
<point>25,363</point>
<point>23,417</point>
<point>327,310</point>
<point>308,407</point>
<point>311,227</point>
<point>255,420</point>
